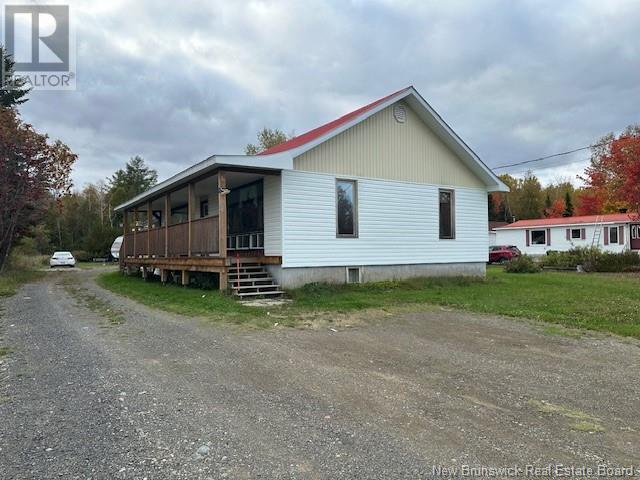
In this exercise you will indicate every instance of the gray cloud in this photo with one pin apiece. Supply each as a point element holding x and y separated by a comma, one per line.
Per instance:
<point>176,82</point>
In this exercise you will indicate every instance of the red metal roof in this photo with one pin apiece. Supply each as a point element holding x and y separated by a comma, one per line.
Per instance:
<point>547,222</point>
<point>326,128</point>
<point>493,225</point>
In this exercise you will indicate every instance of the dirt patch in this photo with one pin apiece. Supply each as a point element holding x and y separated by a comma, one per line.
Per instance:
<point>111,315</point>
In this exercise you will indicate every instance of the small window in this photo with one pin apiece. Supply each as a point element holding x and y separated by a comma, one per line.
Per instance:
<point>538,237</point>
<point>613,234</point>
<point>576,234</point>
<point>204,208</point>
<point>447,222</point>
<point>346,208</point>
<point>353,275</point>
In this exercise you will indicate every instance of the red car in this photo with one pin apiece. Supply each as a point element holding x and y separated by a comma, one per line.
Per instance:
<point>503,253</point>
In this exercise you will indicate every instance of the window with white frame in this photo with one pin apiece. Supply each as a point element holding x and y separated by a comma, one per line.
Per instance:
<point>613,234</point>
<point>538,237</point>
<point>576,233</point>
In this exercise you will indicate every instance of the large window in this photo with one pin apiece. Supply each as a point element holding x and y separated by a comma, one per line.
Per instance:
<point>245,209</point>
<point>538,237</point>
<point>447,217</point>
<point>346,208</point>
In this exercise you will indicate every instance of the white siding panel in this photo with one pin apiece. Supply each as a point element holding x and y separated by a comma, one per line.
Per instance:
<point>559,242</point>
<point>272,215</point>
<point>398,223</point>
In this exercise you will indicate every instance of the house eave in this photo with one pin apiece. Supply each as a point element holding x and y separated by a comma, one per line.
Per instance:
<point>276,162</point>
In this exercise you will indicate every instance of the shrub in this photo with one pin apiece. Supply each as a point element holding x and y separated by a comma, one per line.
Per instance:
<point>626,261</point>
<point>81,256</point>
<point>593,259</point>
<point>522,264</point>
<point>19,261</point>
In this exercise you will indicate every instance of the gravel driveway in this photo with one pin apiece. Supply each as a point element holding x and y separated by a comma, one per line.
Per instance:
<point>165,396</point>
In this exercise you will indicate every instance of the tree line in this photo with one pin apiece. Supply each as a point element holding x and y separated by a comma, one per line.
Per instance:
<point>610,184</point>
<point>34,170</point>
<point>39,210</point>
<point>83,220</point>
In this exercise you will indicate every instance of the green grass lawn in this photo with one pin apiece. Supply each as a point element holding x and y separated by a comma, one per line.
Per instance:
<point>602,302</point>
<point>11,280</point>
<point>93,265</point>
<point>21,269</point>
<point>188,301</point>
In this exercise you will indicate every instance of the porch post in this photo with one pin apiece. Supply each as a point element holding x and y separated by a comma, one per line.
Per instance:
<point>135,230</point>
<point>149,229</point>
<point>125,228</point>
<point>222,227</point>
<point>167,217</point>
<point>190,207</point>
<point>222,215</point>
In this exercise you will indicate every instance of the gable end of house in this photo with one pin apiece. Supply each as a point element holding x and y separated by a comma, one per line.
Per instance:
<point>392,144</point>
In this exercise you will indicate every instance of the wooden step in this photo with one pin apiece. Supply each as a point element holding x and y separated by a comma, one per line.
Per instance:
<point>250,280</point>
<point>269,293</point>
<point>247,274</point>
<point>255,287</point>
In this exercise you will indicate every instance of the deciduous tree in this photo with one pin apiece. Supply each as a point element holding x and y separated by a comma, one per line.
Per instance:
<point>613,176</point>
<point>30,169</point>
<point>267,138</point>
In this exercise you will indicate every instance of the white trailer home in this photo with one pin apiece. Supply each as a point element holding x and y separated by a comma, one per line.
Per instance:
<point>387,191</point>
<point>612,232</point>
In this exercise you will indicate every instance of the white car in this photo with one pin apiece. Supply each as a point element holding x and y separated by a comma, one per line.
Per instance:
<point>62,259</point>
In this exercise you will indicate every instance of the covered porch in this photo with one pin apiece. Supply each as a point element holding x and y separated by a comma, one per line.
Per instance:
<point>203,224</point>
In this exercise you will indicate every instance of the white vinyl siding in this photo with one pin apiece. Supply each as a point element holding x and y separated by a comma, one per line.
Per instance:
<point>272,215</point>
<point>380,147</point>
<point>559,241</point>
<point>397,223</point>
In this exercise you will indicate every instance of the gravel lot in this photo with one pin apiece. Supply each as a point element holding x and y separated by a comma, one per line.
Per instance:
<point>164,396</point>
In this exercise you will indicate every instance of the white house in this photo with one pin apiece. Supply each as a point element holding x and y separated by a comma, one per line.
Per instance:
<point>612,232</point>
<point>387,191</point>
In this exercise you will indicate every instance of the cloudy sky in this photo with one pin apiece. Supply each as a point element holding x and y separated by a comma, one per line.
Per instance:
<point>178,81</point>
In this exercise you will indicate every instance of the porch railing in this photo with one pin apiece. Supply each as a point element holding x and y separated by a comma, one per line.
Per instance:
<point>204,236</point>
<point>178,240</point>
<point>156,242</point>
<point>153,243</point>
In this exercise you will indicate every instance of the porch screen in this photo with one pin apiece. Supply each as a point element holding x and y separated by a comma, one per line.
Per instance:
<point>245,209</point>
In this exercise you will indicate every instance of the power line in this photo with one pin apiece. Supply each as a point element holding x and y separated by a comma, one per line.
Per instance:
<point>551,156</point>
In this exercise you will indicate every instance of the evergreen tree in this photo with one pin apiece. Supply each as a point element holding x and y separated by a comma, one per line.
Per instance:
<point>568,205</point>
<point>15,93</point>
<point>126,183</point>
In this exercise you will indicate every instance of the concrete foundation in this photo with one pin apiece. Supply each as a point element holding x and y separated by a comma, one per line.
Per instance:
<point>299,276</point>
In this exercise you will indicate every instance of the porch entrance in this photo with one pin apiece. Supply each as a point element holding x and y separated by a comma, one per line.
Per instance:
<point>245,219</point>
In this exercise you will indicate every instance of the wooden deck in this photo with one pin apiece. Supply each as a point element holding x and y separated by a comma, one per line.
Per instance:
<point>194,245</point>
